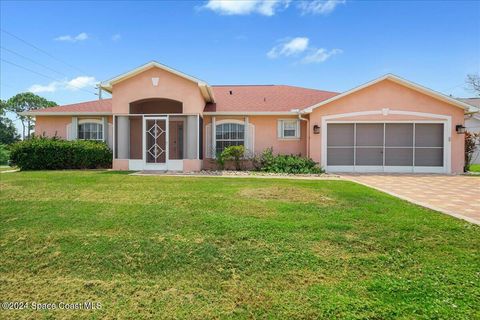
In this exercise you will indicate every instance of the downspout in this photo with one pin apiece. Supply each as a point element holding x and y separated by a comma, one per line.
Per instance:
<point>308,131</point>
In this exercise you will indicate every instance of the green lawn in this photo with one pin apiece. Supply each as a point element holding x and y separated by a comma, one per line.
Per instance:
<point>203,248</point>
<point>6,168</point>
<point>475,168</point>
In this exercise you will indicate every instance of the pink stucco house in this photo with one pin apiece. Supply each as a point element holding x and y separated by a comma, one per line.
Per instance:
<point>161,119</point>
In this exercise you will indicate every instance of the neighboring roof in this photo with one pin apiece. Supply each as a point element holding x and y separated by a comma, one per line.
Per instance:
<point>96,107</point>
<point>403,82</point>
<point>203,86</point>
<point>264,98</point>
<point>473,102</point>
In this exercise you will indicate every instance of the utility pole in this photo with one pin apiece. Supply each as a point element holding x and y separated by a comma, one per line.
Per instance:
<point>99,94</point>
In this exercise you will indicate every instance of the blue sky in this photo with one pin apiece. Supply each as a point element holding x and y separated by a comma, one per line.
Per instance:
<point>330,45</point>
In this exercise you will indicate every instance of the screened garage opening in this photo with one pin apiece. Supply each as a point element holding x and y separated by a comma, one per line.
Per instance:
<point>386,147</point>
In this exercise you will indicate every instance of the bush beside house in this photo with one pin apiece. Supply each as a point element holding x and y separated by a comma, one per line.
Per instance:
<point>472,143</point>
<point>235,158</point>
<point>269,162</point>
<point>53,153</point>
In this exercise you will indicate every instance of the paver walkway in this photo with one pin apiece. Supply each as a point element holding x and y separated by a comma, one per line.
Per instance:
<point>456,195</point>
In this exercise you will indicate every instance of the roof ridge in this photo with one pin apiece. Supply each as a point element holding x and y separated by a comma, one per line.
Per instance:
<point>245,85</point>
<point>270,85</point>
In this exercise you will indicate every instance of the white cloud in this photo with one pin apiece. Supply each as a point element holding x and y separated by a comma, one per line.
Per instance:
<point>244,7</point>
<point>80,82</point>
<point>289,47</point>
<point>320,55</point>
<point>71,85</point>
<point>38,88</point>
<point>68,38</point>
<point>116,37</point>
<point>318,6</point>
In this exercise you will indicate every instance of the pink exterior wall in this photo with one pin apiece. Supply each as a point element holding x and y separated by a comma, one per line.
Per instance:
<point>388,94</point>
<point>170,86</point>
<point>120,164</point>
<point>192,165</point>
<point>266,134</point>
<point>49,125</point>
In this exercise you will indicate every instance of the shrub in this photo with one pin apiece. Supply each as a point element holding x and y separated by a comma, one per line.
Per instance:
<point>4,155</point>
<point>472,143</point>
<point>268,162</point>
<point>231,153</point>
<point>53,153</point>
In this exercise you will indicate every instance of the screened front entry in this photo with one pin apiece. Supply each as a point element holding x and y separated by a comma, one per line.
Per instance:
<point>386,147</point>
<point>156,140</point>
<point>163,142</point>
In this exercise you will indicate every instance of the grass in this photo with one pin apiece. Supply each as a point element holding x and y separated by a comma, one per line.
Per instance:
<point>6,168</point>
<point>202,248</point>
<point>474,168</point>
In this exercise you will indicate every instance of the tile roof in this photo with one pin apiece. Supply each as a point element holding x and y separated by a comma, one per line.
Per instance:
<point>264,98</point>
<point>103,106</point>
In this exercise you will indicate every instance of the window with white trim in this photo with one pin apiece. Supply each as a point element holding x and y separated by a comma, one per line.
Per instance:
<point>229,134</point>
<point>289,129</point>
<point>90,131</point>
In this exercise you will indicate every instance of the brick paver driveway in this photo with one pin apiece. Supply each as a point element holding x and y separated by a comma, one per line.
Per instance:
<point>458,196</point>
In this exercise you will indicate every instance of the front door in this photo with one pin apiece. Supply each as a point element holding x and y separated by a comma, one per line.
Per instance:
<point>175,146</point>
<point>156,142</point>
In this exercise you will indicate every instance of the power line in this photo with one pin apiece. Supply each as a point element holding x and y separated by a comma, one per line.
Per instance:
<point>41,50</point>
<point>25,68</point>
<point>41,74</point>
<point>31,60</point>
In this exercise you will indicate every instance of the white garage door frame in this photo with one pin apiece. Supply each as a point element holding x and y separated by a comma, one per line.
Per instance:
<point>436,118</point>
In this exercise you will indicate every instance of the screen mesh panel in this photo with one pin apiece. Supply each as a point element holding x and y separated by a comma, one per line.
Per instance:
<point>340,135</point>
<point>369,134</point>
<point>429,135</point>
<point>369,157</point>
<point>399,135</point>
<point>340,156</point>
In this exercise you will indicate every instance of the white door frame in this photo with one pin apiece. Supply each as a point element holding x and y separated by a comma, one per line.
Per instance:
<point>444,119</point>
<point>154,166</point>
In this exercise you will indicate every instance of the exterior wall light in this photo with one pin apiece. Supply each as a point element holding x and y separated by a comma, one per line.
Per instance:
<point>316,129</point>
<point>460,128</point>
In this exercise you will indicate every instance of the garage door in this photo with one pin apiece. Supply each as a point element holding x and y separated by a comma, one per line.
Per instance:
<point>385,147</point>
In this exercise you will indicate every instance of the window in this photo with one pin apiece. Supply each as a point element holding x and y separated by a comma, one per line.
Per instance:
<point>289,129</point>
<point>229,134</point>
<point>90,131</point>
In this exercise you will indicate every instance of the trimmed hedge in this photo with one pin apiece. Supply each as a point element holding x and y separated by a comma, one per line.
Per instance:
<point>54,154</point>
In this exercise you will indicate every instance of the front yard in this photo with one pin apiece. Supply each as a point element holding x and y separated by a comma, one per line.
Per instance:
<point>196,248</point>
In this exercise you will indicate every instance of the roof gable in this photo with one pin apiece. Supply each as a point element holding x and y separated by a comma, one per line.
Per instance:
<point>203,86</point>
<point>398,80</point>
